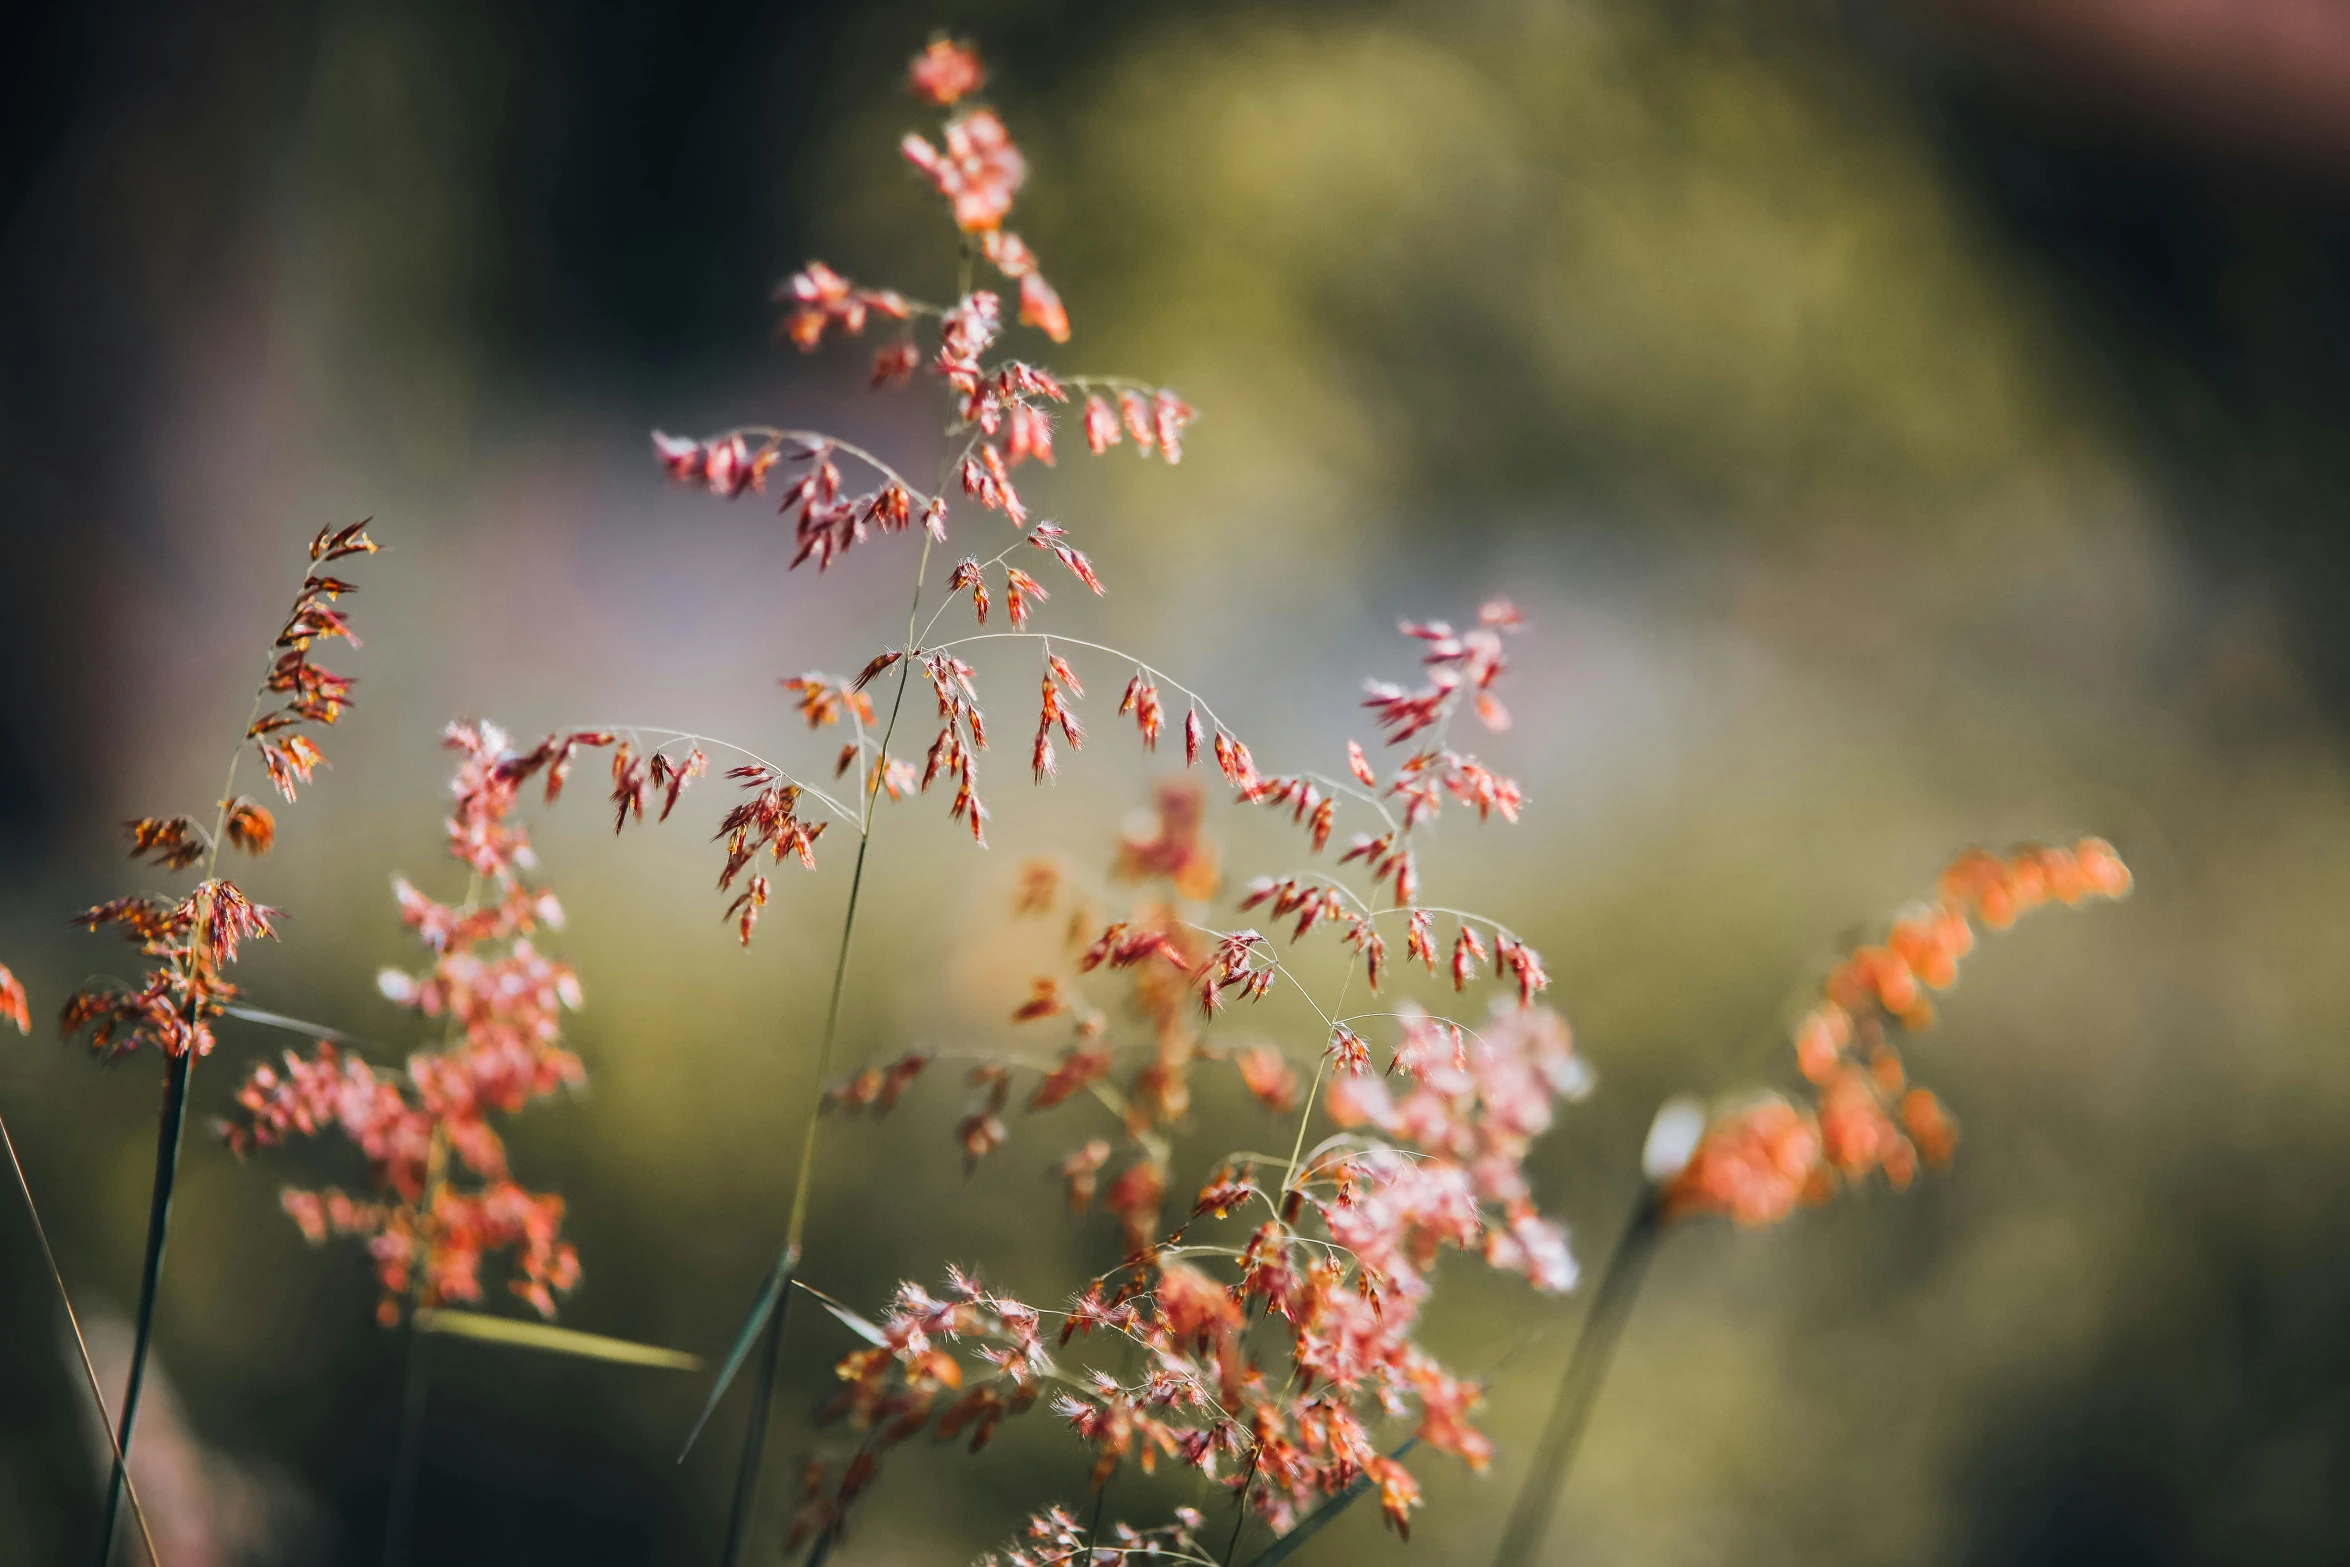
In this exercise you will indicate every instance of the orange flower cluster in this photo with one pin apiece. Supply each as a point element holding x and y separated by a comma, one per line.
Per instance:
<point>962,735</point>
<point>1345,1300</point>
<point>1451,1174</point>
<point>315,695</point>
<point>821,298</point>
<point>1154,418</point>
<point>1481,1103</point>
<point>12,1002</point>
<point>433,1253</point>
<point>1758,1161</point>
<point>1175,848</point>
<point>1388,855</point>
<point>1459,664</point>
<point>1057,678</point>
<point>826,521</point>
<point>503,1003</point>
<point>194,937</point>
<point>769,820</point>
<point>945,72</point>
<point>877,1088</point>
<point>1753,1165</point>
<point>1156,948</point>
<point>979,171</point>
<point>977,168</point>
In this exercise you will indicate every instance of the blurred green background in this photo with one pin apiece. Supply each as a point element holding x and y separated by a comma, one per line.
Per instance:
<point>1905,425</point>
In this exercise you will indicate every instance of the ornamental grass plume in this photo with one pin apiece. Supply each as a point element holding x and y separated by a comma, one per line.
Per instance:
<point>1758,1160</point>
<point>426,1129</point>
<point>191,938</point>
<point>1274,1315</point>
<point>1759,1157</point>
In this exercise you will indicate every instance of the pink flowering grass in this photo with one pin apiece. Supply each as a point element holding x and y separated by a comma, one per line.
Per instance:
<point>1261,1327</point>
<point>1273,1320</point>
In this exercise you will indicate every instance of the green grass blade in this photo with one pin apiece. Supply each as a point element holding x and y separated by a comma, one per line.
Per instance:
<point>1281,1549</point>
<point>293,1025</point>
<point>859,1326</point>
<point>762,1307</point>
<point>864,1327</point>
<point>561,1341</point>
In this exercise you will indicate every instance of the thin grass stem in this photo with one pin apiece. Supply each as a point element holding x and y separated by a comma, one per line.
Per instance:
<point>408,1456</point>
<point>1612,1300</point>
<point>167,1159</point>
<point>408,1453</point>
<point>746,1474</point>
<point>746,1484</point>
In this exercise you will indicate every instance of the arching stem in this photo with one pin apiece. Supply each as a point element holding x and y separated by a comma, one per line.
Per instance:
<point>1603,1326</point>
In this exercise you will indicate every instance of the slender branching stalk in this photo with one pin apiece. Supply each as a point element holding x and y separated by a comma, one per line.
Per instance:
<point>746,1483</point>
<point>1603,1326</point>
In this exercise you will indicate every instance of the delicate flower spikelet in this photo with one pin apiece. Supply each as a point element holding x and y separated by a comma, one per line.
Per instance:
<point>877,1088</point>
<point>249,826</point>
<point>977,168</point>
<point>827,521</point>
<point>425,1127</point>
<point>1757,1162</point>
<point>1175,849</point>
<point>195,938</point>
<point>944,72</point>
<point>12,1002</point>
<point>174,843</point>
<point>1270,1077</point>
<point>818,298</point>
<point>314,695</point>
<point>1459,664</point>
